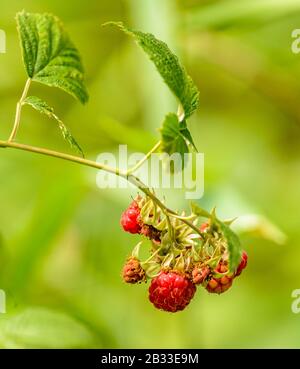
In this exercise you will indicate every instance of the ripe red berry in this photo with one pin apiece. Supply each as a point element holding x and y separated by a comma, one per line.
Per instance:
<point>130,218</point>
<point>132,271</point>
<point>242,264</point>
<point>199,274</point>
<point>171,291</point>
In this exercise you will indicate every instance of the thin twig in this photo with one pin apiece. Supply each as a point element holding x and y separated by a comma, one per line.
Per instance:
<point>19,111</point>
<point>145,158</point>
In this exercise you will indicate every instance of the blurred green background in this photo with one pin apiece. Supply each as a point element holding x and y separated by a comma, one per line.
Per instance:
<point>62,248</point>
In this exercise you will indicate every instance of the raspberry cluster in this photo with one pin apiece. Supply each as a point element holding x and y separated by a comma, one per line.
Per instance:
<point>180,259</point>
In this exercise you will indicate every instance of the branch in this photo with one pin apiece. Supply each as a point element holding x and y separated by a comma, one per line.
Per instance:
<point>89,163</point>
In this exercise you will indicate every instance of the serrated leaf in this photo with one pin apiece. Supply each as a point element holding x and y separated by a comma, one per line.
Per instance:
<point>43,328</point>
<point>173,141</point>
<point>67,135</point>
<point>187,134</point>
<point>174,138</point>
<point>233,244</point>
<point>169,67</point>
<point>49,55</point>
<point>42,107</point>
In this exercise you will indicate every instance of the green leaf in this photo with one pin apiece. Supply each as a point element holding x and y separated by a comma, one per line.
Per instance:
<point>42,107</point>
<point>49,55</point>
<point>233,244</point>
<point>43,328</point>
<point>169,67</point>
<point>173,141</point>
<point>175,135</point>
<point>187,135</point>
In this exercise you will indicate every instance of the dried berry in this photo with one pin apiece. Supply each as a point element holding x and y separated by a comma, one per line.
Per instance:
<point>132,271</point>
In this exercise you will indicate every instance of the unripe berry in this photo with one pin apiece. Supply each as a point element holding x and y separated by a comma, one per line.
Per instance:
<point>222,267</point>
<point>219,285</point>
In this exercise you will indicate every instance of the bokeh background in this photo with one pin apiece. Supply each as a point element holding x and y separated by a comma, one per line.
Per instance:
<point>62,248</point>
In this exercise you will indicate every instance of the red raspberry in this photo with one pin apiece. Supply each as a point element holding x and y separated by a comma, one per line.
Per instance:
<point>219,285</point>
<point>242,264</point>
<point>199,274</point>
<point>130,219</point>
<point>132,271</point>
<point>171,291</point>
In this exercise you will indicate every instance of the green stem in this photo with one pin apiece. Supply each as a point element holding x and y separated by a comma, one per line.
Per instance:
<point>19,111</point>
<point>145,158</point>
<point>55,154</point>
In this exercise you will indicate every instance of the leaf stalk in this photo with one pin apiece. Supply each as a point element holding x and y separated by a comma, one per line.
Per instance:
<point>19,111</point>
